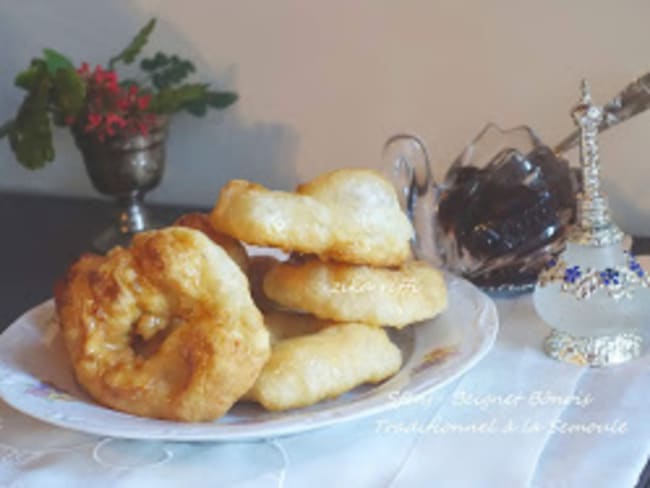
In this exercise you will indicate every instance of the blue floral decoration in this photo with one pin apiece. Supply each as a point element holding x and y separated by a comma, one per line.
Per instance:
<point>635,267</point>
<point>610,276</point>
<point>618,281</point>
<point>572,274</point>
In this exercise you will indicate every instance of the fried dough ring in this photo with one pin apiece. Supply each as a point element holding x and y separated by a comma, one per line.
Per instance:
<point>350,216</point>
<point>307,368</point>
<point>347,293</point>
<point>176,288</point>
<point>233,247</point>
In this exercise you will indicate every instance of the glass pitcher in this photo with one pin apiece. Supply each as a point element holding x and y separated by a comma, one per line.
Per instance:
<point>501,211</point>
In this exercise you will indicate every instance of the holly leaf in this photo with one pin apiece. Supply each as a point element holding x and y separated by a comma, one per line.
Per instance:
<point>130,52</point>
<point>56,61</point>
<point>31,135</point>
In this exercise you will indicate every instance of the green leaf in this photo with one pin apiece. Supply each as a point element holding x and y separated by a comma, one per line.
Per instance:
<point>198,108</point>
<point>221,100</point>
<point>166,71</point>
<point>31,134</point>
<point>56,61</point>
<point>68,92</point>
<point>152,64</point>
<point>28,78</point>
<point>171,100</point>
<point>130,52</point>
<point>194,98</point>
<point>216,100</point>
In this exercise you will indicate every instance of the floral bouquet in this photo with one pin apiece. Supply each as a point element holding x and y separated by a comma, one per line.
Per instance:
<point>96,105</point>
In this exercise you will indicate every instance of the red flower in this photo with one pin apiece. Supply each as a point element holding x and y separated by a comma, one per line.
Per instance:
<point>99,74</point>
<point>110,82</point>
<point>114,119</point>
<point>143,102</point>
<point>94,120</point>
<point>110,109</point>
<point>123,104</point>
<point>84,69</point>
<point>110,77</point>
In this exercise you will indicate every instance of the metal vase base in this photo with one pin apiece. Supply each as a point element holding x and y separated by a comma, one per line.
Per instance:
<point>133,217</point>
<point>595,351</point>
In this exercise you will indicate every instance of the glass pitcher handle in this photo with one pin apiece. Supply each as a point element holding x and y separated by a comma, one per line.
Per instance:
<point>406,158</point>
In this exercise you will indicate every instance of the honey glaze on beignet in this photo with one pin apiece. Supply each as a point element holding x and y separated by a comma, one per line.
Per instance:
<point>178,289</point>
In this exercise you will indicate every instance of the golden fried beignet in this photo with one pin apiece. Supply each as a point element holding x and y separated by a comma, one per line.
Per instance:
<point>233,247</point>
<point>202,340</point>
<point>283,325</point>
<point>309,368</point>
<point>348,293</point>
<point>350,215</point>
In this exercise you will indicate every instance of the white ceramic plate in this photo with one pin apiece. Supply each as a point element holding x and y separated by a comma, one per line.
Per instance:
<point>36,378</point>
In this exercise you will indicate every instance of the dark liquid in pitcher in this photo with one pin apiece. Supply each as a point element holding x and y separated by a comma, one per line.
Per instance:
<point>500,224</point>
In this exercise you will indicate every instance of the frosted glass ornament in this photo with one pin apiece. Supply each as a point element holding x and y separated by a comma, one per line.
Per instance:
<point>595,294</point>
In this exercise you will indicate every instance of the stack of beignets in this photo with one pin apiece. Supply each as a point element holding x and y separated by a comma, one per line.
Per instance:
<point>351,270</point>
<point>171,328</point>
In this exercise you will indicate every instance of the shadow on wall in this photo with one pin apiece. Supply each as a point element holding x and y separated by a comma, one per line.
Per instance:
<point>625,175</point>
<point>203,153</point>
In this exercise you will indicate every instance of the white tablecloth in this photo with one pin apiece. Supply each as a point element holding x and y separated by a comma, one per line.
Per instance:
<point>512,421</point>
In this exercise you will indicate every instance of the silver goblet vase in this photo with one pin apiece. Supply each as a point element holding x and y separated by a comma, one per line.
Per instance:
<point>125,168</point>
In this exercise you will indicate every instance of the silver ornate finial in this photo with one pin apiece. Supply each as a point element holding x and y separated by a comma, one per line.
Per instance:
<point>594,226</point>
<point>586,92</point>
<point>631,101</point>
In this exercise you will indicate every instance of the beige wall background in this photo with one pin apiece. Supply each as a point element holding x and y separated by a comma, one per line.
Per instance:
<point>323,84</point>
